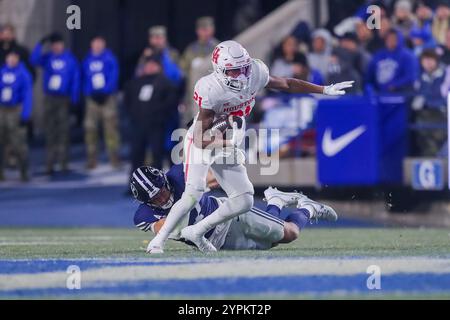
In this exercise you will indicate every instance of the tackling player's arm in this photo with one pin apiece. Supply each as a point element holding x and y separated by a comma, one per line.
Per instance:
<point>158,225</point>
<point>292,85</point>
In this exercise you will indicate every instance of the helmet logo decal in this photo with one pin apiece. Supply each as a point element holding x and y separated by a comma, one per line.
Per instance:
<point>216,54</point>
<point>139,180</point>
<point>145,178</point>
<point>142,180</point>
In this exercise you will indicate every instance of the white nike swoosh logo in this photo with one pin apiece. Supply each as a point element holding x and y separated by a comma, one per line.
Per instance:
<point>332,147</point>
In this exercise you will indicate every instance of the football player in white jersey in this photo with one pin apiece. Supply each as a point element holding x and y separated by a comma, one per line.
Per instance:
<point>230,90</point>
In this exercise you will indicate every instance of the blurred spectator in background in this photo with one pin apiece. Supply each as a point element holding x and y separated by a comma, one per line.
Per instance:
<point>424,16</point>
<point>429,105</point>
<point>302,71</point>
<point>289,62</point>
<point>9,43</point>
<point>444,50</point>
<point>394,69</point>
<point>321,50</point>
<point>61,82</point>
<point>16,91</point>
<point>421,39</point>
<point>441,21</point>
<point>148,100</point>
<point>100,79</point>
<point>403,18</point>
<point>368,39</point>
<point>302,32</point>
<point>385,26</point>
<point>285,57</point>
<point>421,34</point>
<point>159,45</point>
<point>340,67</point>
<point>195,62</point>
<point>349,49</point>
<point>431,79</point>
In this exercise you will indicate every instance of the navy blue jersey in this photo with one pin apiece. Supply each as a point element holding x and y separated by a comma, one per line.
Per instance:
<point>145,215</point>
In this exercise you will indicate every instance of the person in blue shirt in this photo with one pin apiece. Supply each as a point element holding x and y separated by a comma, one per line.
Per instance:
<point>16,96</point>
<point>100,75</point>
<point>255,230</point>
<point>393,69</point>
<point>61,81</point>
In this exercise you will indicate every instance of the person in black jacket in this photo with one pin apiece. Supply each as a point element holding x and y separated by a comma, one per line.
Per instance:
<point>8,43</point>
<point>149,100</point>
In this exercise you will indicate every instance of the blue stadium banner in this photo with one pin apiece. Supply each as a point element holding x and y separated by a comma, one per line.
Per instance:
<point>361,141</point>
<point>427,175</point>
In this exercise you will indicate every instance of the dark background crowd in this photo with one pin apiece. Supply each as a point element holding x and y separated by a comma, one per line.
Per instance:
<point>407,55</point>
<point>139,96</point>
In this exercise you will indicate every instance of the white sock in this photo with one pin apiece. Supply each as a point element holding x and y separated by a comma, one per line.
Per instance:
<point>182,207</point>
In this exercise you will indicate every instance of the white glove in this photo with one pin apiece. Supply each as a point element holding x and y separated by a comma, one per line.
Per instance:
<point>238,134</point>
<point>336,89</point>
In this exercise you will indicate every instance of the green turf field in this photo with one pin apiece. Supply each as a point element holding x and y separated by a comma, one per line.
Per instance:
<point>130,243</point>
<point>322,263</point>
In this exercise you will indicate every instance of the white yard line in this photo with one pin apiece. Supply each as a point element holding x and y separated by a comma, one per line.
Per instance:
<point>235,268</point>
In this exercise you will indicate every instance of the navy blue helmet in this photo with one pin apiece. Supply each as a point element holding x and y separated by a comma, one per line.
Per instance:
<point>150,186</point>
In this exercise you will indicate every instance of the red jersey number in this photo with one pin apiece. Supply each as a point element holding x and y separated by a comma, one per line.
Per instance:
<point>241,113</point>
<point>198,99</point>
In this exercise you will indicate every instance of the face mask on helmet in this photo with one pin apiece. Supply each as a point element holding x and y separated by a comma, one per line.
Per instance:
<point>236,79</point>
<point>163,199</point>
<point>150,186</point>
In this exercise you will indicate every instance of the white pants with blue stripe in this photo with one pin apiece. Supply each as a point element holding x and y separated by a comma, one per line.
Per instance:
<point>254,230</point>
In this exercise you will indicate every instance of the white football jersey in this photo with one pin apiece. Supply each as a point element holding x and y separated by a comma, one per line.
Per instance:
<point>211,94</point>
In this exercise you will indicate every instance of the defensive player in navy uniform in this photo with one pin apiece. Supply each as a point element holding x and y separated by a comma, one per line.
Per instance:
<point>253,230</point>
